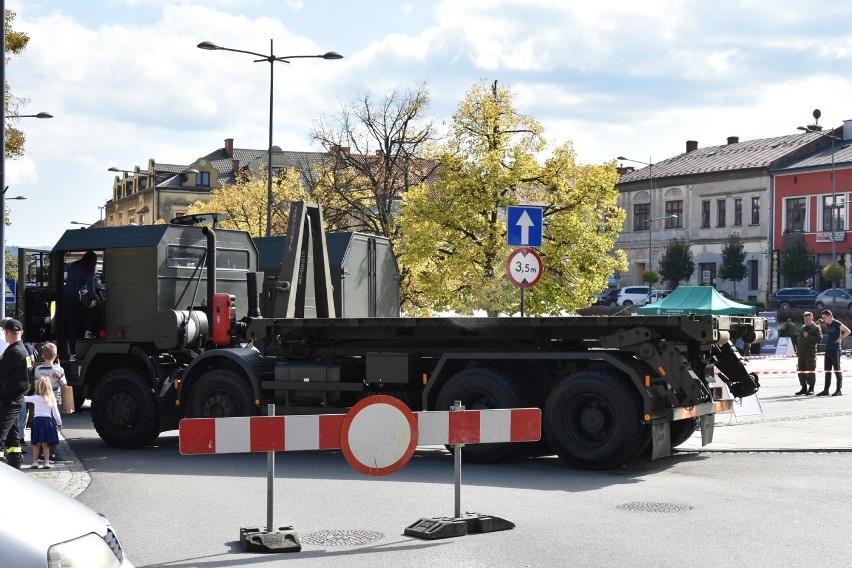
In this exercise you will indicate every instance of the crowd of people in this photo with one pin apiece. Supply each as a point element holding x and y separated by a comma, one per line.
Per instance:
<point>23,382</point>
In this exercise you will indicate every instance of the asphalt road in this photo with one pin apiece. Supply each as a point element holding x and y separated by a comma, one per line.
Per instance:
<point>756,509</point>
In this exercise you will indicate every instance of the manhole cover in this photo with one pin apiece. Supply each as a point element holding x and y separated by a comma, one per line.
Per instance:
<point>341,537</point>
<point>650,507</point>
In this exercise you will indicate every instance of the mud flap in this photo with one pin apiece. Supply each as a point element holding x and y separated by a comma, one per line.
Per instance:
<point>661,439</point>
<point>707,423</point>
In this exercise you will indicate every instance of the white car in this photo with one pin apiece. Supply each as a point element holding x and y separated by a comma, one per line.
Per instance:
<point>41,527</point>
<point>639,296</point>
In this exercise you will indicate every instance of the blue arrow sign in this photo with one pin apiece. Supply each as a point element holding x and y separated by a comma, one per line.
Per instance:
<point>524,226</point>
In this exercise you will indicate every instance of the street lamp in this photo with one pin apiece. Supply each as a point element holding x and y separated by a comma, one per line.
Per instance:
<point>832,137</point>
<point>81,223</point>
<point>271,58</point>
<point>650,165</point>
<point>3,168</point>
<point>154,197</point>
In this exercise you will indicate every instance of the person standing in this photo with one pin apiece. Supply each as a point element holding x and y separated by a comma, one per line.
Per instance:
<point>793,333</point>
<point>79,298</point>
<point>46,421</point>
<point>15,370</point>
<point>809,337</point>
<point>51,370</point>
<point>836,332</point>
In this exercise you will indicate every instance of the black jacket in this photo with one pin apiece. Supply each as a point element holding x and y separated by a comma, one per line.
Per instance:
<point>14,372</point>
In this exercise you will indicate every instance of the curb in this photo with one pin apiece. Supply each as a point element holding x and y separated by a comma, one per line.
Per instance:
<point>68,477</point>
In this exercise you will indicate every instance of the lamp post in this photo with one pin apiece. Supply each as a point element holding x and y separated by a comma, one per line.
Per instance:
<point>3,162</point>
<point>832,137</point>
<point>155,202</point>
<point>271,58</point>
<point>650,165</point>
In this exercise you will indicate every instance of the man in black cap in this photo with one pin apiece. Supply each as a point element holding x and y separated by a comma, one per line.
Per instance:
<point>15,367</point>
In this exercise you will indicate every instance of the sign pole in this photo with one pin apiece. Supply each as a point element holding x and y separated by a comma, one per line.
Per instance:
<point>522,301</point>
<point>457,405</point>
<point>270,478</point>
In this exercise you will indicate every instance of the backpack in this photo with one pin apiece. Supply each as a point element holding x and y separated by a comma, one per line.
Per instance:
<point>31,365</point>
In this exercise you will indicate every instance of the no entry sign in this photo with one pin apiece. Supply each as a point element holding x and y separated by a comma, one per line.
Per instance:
<point>378,435</point>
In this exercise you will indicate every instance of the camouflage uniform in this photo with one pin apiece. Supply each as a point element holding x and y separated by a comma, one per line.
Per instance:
<point>809,337</point>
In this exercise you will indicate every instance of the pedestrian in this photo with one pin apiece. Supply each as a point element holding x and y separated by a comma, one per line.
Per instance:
<point>79,298</point>
<point>793,333</point>
<point>809,337</point>
<point>15,370</point>
<point>25,408</point>
<point>836,332</point>
<point>47,420</point>
<point>50,369</point>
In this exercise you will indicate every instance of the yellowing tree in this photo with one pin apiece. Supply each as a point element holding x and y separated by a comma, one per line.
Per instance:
<point>454,233</point>
<point>16,42</point>
<point>245,202</point>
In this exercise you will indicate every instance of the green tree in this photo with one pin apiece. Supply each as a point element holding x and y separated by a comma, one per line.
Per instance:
<point>245,201</point>
<point>651,277</point>
<point>677,263</point>
<point>733,261</point>
<point>454,232</point>
<point>797,262</point>
<point>16,43</point>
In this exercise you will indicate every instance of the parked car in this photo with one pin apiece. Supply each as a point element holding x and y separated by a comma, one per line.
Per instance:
<point>639,295</point>
<point>786,298</point>
<point>608,297</point>
<point>834,299</point>
<point>40,526</point>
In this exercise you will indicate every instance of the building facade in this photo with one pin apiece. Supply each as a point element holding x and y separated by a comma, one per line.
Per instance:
<point>704,195</point>
<point>807,191</point>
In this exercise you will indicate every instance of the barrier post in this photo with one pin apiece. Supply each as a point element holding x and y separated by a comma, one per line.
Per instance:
<point>457,405</point>
<point>270,477</point>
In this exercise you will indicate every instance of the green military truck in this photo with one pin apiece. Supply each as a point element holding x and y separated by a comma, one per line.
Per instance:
<point>182,334</point>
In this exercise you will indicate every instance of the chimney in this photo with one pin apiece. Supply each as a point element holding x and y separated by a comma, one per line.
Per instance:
<point>691,145</point>
<point>623,170</point>
<point>733,139</point>
<point>335,148</point>
<point>847,129</point>
<point>345,150</point>
<point>380,154</point>
<point>229,147</point>
<point>235,166</point>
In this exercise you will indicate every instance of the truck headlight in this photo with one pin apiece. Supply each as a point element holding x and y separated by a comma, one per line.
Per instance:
<point>90,550</point>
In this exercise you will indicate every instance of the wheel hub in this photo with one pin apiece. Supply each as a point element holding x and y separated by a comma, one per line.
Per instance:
<point>592,420</point>
<point>220,405</point>
<point>121,408</point>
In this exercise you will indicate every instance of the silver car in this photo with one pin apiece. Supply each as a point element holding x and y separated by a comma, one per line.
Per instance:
<point>833,299</point>
<point>40,526</point>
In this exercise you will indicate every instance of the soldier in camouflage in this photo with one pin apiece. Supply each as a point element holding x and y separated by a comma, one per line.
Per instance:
<point>809,337</point>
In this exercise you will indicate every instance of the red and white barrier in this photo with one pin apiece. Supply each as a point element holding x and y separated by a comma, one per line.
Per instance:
<point>322,432</point>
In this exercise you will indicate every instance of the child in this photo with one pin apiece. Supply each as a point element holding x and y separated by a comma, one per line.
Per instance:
<point>43,433</point>
<point>51,370</point>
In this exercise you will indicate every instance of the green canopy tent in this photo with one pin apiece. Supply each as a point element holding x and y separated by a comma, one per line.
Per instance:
<point>695,300</point>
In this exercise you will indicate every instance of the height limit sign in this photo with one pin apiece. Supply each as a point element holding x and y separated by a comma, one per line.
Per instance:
<point>524,267</point>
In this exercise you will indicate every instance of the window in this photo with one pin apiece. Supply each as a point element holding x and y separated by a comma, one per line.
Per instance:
<point>641,215</point>
<point>707,272</point>
<point>720,213</point>
<point>705,214</point>
<point>674,208</point>
<point>753,276</point>
<point>795,214</point>
<point>839,216</point>
<point>738,212</point>
<point>755,210</point>
<point>191,257</point>
<point>203,179</point>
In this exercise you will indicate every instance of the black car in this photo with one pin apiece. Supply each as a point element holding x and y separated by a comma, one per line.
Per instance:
<point>787,298</point>
<point>607,298</point>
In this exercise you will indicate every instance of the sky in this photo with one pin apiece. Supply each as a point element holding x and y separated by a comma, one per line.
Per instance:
<point>126,83</point>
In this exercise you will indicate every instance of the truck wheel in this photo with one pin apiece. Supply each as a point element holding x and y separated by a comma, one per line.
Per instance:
<point>220,394</point>
<point>682,430</point>
<point>124,410</point>
<point>593,421</point>
<point>481,389</point>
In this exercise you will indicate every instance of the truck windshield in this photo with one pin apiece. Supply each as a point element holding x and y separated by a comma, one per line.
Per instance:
<point>189,257</point>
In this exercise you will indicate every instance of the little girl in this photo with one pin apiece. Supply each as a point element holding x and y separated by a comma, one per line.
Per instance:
<point>43,433</point>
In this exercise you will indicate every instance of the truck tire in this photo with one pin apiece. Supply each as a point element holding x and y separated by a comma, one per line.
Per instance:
<point>481,389</point>
<point>221,394</point>
<point>682,430</point>
<point>593,421</point>
<point>124,410</point>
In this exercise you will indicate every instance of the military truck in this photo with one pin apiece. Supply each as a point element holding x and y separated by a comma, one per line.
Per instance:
<point>182,334</point>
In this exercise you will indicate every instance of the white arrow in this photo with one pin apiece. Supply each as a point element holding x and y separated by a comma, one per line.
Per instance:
<point>524,222</point>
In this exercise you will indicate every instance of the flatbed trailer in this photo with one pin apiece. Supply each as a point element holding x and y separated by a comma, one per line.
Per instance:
<point>198,346</point>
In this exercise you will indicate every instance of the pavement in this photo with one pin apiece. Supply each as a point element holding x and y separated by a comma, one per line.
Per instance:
<point>774,420</point>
